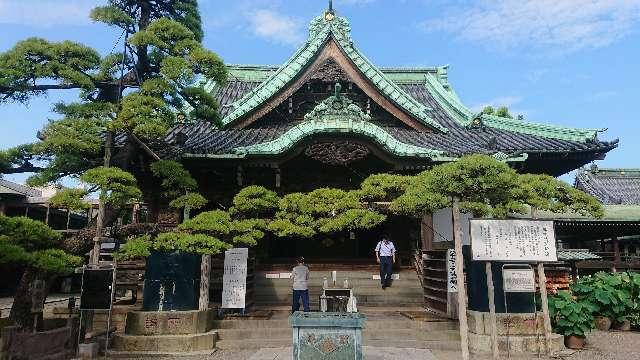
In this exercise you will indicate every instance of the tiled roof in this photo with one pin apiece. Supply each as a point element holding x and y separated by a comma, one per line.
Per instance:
<point>14,188</point>
<point>424,93</point>
<point>611,186</point>
<point>460,140</point>
<point>576,255</point>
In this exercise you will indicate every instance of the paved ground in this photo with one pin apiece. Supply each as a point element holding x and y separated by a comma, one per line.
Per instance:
<point>601,346</point>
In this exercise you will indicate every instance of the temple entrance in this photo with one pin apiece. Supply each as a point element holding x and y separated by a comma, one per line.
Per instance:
<point>348,248</point>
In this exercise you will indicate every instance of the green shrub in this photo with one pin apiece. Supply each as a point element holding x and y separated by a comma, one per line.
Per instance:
<point>607,293</point>
<point>569,316</point>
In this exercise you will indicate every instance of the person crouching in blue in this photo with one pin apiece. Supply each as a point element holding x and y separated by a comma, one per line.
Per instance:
<point>300,279</point>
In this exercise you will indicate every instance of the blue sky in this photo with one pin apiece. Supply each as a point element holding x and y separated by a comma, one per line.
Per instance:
<point>566,62</point>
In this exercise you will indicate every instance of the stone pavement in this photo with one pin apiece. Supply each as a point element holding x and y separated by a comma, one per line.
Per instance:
<point>370,353</point>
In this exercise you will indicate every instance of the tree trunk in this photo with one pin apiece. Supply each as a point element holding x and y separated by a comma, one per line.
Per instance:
<point>205,274</point>
<point>102,207</point>
<point>21,308</point>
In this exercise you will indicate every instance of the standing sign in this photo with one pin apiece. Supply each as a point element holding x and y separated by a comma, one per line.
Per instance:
<point>97,289</point>
<point>518,280</point>
<point>513,240</point>
<point>234,279</point>
<point>452,279</point>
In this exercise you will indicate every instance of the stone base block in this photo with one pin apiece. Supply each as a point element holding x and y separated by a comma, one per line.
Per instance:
<point>169,322</point>
<point>515,344</point>
<point>165,343</point>
<point>88,351</point>
<point>512,323</point>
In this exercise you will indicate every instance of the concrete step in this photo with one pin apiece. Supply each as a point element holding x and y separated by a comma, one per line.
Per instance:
<point>341,275</point>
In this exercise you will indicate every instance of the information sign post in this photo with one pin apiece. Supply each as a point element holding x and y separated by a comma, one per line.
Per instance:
<point>234,279</point>
<point>523,241</point>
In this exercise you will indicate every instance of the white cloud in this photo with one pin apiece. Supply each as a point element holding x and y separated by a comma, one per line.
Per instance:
<point>565,25</point>
<point>45,13</point>
<point>277,27</point>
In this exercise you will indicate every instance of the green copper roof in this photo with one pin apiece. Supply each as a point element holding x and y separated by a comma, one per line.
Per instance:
<point>339,125</point>
<point>451,103</point>
<point>320,30</point>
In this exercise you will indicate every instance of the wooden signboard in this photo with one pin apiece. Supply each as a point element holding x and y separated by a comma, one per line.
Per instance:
<point>234,279</point>
<point>513,240</point>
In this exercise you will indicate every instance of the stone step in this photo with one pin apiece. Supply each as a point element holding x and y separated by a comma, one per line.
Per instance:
<point>423,326</point>
<point>362,299</point>
<point>368,334</point>
<point>358,291</point>
<point>352,275</point>
<point>279,343</point>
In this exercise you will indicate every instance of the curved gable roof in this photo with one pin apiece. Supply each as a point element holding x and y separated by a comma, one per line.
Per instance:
<point>320,32</point>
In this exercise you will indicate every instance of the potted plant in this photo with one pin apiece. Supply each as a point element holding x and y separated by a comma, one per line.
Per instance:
<point>607,293</point>
<point>571,318</point>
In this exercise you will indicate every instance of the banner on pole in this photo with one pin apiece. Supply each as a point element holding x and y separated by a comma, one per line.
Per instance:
<point>513,240</point>
<point>234,279</point>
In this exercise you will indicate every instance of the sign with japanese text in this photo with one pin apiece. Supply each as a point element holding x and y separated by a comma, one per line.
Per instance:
<point>452,278</point>
<point>518,280</point>
<point>513,240</point>
<point>234,279</point>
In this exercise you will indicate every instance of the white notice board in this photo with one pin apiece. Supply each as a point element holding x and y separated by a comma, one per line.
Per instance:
<point>518,280</point>
<point>513,240</point>
<point>234,279</point>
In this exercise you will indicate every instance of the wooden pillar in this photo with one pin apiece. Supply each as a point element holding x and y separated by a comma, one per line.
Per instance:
<point>492,310</point>
<point>616,249</point>
<point>239,176</point>
<point>426,232</point>
<point>135,213</point>
<point>462,291</point>
<point>68,218</point>
<point>26,211</point>
<point>3,208</point>
<point>542,283</point>
<point>46,217</point>
<point>278,177</point>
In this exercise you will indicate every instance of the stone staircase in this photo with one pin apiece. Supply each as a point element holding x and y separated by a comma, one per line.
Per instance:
<point>384,328</point>
<point>406,291</point>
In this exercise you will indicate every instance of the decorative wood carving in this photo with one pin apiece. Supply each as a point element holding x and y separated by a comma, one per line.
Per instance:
<point>330,72</point>
<point>337,153</point>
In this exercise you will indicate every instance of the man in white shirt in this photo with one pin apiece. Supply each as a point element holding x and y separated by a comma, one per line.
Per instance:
<point>386,257</point>
<point>300,279</point>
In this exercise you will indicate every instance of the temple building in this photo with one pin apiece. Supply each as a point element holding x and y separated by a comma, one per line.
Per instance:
<point>328,117</point>
<point>615,237</point>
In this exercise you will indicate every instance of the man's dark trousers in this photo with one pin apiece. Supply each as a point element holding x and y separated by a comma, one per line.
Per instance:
<point>386,270</point>
<point>297,294</point>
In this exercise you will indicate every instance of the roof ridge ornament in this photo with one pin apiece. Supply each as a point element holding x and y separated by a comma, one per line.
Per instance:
<point>337,107</point>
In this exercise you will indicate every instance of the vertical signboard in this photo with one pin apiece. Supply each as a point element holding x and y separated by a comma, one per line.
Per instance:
<point>452,279</point>
<point>234,279</point>
<point>513,240</point>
